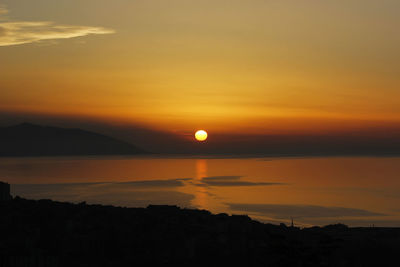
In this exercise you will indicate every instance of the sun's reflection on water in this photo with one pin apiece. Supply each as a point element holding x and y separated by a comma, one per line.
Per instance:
<point>201,192</point>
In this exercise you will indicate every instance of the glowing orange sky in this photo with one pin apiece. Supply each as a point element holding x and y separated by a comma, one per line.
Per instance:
<point>248,66</point>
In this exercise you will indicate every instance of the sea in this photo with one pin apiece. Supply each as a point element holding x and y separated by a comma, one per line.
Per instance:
<point>305,191</point>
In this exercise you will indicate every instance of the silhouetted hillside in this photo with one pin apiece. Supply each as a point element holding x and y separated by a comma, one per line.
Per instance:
<point>34,140</point>
<point>47,233</point>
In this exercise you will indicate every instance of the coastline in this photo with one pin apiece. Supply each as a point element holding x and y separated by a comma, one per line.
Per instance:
<point>51,233</point>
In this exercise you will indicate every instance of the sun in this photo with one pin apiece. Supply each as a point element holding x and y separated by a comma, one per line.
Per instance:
<point>201,135</point>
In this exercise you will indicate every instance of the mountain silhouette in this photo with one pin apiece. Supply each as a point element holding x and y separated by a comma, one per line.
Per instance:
<point>34,140</point>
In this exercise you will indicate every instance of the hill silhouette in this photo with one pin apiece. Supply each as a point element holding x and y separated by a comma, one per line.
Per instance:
<point>48,233</point>
<point>34,140</point>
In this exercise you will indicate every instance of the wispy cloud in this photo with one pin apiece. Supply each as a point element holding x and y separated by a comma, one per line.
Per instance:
<point>3,10</point>
<point>24,32</point>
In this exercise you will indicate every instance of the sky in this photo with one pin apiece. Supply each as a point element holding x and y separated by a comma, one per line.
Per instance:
<point>237,69</point>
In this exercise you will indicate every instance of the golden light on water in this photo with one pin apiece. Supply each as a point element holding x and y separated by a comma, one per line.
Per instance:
<point>201,192</point>
<point>201,135</point>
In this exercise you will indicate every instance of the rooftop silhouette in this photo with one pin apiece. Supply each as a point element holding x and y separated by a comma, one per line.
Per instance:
<point>4,191</point>
<point>48,233</point>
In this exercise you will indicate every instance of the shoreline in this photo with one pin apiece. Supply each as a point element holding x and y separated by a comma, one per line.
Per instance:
<point>66,234</point>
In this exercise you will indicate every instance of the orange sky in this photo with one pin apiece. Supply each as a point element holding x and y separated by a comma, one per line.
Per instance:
<point>253,67</point>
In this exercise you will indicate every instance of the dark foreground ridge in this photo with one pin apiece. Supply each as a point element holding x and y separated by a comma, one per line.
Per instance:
<point>29,140</point>
<point>48,233</point>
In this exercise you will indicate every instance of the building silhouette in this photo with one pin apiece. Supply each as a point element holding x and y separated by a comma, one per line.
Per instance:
<point>4,191</point>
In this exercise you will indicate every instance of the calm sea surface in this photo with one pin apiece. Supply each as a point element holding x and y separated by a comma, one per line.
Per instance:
<point>312,191</point>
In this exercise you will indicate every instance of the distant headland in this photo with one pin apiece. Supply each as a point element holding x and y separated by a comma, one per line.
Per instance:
<point>30,140</point>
